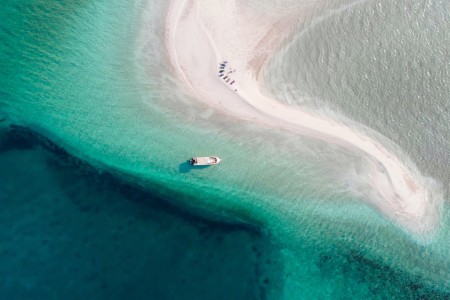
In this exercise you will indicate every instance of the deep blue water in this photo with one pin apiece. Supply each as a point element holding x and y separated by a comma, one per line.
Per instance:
<point>70,231</point>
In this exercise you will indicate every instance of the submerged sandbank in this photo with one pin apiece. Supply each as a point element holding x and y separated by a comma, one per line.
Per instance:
<point>218,50</point>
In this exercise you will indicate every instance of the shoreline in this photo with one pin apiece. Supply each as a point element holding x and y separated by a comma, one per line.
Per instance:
<point>398,192</point>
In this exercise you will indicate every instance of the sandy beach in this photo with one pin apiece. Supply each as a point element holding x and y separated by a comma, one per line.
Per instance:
<point>218,50</point>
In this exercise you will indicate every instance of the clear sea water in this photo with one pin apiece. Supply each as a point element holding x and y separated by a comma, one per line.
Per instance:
<point>98,201</point>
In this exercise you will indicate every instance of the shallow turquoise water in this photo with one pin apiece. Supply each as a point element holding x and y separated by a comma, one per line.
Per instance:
<point>93,78</point>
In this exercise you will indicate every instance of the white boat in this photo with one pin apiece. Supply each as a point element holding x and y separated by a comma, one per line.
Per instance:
<point>205,161</point>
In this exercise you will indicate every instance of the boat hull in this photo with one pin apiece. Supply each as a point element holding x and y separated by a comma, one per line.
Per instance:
<point>205,161</point>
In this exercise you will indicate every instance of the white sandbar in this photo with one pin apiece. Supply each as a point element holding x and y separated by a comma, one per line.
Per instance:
<point>200,35</point>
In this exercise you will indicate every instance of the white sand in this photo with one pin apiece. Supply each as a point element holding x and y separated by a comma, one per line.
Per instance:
<point>202,34</point>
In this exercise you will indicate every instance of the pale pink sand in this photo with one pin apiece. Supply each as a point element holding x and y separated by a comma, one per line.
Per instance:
<point>201,34</point>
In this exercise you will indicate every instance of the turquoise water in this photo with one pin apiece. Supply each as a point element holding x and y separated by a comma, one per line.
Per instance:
<point>93,78</point>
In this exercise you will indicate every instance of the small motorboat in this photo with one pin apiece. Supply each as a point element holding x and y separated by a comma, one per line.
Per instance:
<point>205,161</point>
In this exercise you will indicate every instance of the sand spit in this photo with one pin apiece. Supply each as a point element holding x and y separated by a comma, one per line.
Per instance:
<point>213,43</point>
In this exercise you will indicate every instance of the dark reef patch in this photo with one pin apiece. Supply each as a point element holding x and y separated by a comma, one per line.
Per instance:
<point>381,281</point>
<point>71,231</point>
